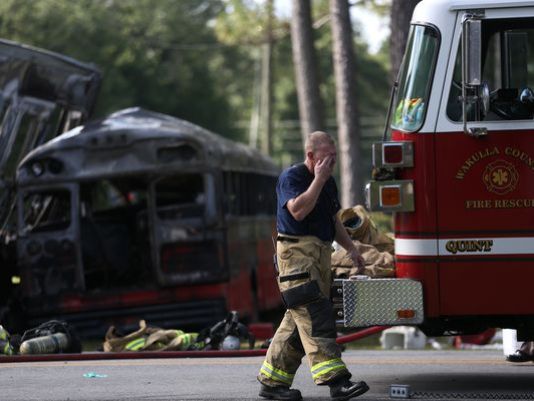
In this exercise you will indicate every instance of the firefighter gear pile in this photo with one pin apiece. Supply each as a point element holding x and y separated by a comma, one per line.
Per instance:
<point>5,345</point>
<point>226,334</point>
<point>50,337</point>
<point>149,338</point>
<point>376,248</point>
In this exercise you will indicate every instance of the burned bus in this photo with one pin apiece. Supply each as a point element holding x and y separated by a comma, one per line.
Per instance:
<point>42,94</point>
<point>143,215</point>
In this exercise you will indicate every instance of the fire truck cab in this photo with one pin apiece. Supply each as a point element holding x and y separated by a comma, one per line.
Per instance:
<point>457,170</point>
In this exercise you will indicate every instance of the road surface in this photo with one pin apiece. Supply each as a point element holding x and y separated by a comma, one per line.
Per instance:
<point>444,375</point>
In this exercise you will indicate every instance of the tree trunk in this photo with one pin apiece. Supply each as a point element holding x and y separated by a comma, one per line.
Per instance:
<point>346,103</point>
<point>309,98</point>
<point>401,14</point>
<point>267,82</point>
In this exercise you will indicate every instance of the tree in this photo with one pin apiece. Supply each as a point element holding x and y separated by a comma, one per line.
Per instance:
<point>400,16</point>
<point>346,103</point>
<point>160,55</point>
<point>309,98</point>
<point>253,25</point>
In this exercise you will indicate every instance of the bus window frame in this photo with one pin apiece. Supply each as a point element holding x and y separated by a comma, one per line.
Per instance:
<point>211,219</point>
<point>70,232</point>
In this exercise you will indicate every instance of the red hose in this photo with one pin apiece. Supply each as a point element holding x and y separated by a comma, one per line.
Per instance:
<point>360,334</point>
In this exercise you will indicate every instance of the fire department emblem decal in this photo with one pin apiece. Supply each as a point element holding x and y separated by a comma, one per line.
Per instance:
<point>500,177</point>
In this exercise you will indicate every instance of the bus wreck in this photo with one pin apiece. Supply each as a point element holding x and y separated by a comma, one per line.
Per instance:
<point>144,216</point>
<point>42,94</point>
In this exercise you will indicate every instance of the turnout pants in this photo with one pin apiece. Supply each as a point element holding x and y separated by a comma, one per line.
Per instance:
<point>308,327</point>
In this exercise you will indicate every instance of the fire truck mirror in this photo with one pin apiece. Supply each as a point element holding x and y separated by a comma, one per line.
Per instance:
<point>485,98</point>
<point>472,55</point>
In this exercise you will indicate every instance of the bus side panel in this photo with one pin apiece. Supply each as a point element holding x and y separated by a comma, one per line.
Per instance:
<point>268,293</point>
<point>241,258</point>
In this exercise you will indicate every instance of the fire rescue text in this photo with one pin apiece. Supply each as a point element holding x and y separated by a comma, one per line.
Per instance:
<point>499,203</point>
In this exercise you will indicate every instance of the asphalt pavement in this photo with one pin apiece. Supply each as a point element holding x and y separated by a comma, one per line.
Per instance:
<point>431,374</point>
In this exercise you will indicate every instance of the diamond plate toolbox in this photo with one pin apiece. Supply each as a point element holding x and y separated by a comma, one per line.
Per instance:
<point>377,302</point>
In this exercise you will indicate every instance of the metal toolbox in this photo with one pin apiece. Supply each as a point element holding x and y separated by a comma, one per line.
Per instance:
<point>369,302</point>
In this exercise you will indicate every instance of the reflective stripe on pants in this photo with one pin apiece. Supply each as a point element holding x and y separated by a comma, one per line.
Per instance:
<point>324,368</point>
<point>276,374</point>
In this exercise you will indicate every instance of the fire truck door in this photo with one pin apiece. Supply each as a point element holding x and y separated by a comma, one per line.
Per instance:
<point>485,195</point>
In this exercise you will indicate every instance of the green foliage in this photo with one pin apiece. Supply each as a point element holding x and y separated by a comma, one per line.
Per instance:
<point>370,75</point>
<point>161,55</point>
<point>194,59</point>
<point>380,7</point>
<point>243,21</point>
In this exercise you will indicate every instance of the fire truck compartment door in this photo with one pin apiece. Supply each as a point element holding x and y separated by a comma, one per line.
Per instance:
<point>372,302</point>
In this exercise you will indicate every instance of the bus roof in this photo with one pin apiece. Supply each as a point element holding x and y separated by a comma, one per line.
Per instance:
<point>134,141</point>
<point>47,75</point>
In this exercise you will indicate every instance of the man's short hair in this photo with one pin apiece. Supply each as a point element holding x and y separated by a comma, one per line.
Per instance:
<point>317,138</point>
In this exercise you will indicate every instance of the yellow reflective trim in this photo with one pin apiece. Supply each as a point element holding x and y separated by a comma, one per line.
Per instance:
<point>186,339</point>
<point>276,374</point>
<point>280,372</point>
<point>323,368</point>
<point>329,362</point>
<point>135,345</point>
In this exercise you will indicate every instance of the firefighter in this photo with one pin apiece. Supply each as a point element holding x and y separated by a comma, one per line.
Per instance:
<point>307,224</point>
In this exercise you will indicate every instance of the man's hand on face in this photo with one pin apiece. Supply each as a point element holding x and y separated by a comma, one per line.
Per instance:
<point>323,168</point>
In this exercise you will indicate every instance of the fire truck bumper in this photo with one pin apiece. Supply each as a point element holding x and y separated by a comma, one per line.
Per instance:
<point>370,302</point>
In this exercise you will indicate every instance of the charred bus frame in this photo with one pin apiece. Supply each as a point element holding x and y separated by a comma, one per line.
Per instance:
<point>42,94</point>
<point>142,215</point>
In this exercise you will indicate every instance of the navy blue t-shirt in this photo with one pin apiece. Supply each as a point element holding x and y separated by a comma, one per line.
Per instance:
<point>320,222</point>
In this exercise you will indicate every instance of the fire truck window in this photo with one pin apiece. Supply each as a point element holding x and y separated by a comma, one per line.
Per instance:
<point>415,78</point>
<point>47,211</point>
<point>454,105</point>
<point>181,196</point>
<point>507,69</point>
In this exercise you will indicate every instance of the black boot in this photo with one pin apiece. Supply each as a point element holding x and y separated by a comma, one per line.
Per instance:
<point>280,393</point>
<point>345,389</point>
<point>519,356</point>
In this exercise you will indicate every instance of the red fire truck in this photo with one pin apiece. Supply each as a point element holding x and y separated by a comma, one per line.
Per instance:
<point>458,173</point>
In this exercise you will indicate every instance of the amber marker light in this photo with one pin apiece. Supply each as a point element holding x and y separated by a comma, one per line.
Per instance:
<point>390,195</point>
<point>406,314</point>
